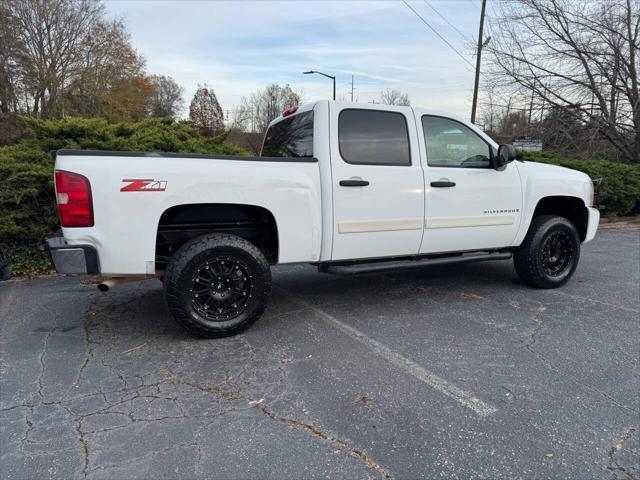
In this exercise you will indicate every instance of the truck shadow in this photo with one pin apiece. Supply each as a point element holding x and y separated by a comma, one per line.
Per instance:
<point>138,310</point>
<point>305,281</point>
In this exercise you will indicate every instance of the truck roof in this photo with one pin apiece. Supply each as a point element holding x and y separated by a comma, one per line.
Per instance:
<point>305,107</point>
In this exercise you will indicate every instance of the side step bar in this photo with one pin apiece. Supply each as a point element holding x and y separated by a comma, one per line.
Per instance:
<point>384,266</point>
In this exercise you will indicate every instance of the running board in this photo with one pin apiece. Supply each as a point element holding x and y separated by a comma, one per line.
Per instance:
<point>384,266</point>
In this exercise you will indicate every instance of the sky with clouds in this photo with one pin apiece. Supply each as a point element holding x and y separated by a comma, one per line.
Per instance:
<point>238,47</point>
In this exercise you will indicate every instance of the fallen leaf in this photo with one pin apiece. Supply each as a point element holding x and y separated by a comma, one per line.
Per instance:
<point>469,296</point>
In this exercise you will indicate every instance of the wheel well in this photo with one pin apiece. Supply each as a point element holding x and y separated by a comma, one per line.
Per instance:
<point>181,223</point>
<point>571,208</point>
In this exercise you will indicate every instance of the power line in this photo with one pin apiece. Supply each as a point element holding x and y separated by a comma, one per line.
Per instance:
<point>474,4</point>
<point>445,19</point>
<point>436,32</point>
<point>494,14</point>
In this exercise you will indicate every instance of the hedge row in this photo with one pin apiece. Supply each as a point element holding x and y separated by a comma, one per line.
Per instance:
<point>620,191</point>
<point>27,204</point>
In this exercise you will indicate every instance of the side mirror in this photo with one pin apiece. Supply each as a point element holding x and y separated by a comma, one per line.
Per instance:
<point>506,154</point>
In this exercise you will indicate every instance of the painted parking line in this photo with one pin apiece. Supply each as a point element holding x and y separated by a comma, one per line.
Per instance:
<point>464,398</point>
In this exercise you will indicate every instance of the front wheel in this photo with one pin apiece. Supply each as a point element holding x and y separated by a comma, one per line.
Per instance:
<point>217,285</point>
<point>549,254</point>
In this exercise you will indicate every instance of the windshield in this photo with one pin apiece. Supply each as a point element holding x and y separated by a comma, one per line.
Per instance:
<point>291,137</point>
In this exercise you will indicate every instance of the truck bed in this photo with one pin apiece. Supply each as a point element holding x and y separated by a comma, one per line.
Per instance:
<point>132,190</point>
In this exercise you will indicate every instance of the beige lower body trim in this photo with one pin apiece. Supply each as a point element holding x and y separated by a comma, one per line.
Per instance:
<point>360,226</point>
<point>477,221</point>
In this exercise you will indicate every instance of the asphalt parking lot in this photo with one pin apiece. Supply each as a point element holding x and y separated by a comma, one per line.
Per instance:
<point>451,372</point>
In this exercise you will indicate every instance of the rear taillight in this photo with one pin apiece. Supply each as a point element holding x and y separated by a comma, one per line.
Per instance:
<point>73,193</point>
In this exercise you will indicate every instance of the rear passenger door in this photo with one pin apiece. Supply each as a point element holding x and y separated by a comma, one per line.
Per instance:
<point>378,186</point>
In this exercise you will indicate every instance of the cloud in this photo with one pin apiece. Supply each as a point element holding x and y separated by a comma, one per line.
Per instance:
<point>238,47</point>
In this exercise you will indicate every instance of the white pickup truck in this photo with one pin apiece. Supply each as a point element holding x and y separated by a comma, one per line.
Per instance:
<point>348,187</point>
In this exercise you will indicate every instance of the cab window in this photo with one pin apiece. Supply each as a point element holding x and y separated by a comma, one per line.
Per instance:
<point>291,137</point>
<point>373,137</point>
<point>453,144</point>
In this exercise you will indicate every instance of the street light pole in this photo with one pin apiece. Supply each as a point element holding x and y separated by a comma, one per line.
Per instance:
<point>328,76</point>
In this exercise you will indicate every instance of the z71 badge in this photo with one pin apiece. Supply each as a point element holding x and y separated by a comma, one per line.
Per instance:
<point>144,185</point>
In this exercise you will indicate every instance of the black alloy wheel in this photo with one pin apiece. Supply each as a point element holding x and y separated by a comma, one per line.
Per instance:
<point>549,253</point>
<point>557,253</point>
<point>217,285</point>
<point>221,288</point>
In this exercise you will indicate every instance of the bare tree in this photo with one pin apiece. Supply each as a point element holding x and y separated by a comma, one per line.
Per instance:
<point>52,33</point>
<point>240,117</point>
<point>579,56</point>
<point>249,121</point>
<point>257,111</point>
<point>108,61</point>
<point>166,100</point>
<point>10,70</point>
<point>61,57</point>
<point>205,112</point>
<point>394,97</point>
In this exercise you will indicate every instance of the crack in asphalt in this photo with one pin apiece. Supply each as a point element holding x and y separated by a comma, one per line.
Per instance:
<point>538,325</point>
<point>29,407</point>
<point>92,311</point>
<point>28,414</point>
<point>43,355</point>
<point>235,394</point>
<point>118,391</point>
<point>136,394</point>
<point>229,392</point>
<point>612,463</point>
<point>84,444</point>
<point>343,444</point>
<point>88,347</point>
<point>593,300</point>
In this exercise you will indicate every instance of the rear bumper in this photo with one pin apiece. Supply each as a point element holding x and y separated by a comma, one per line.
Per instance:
<point>592,224</point>
<point>72,259</point>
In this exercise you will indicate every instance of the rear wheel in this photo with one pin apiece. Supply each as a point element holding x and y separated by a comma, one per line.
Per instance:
<point>549,254</point>
<point>217,285</point>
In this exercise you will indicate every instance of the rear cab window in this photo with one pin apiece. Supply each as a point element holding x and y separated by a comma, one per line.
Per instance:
<point>373,137</point>
<point>290,137</point>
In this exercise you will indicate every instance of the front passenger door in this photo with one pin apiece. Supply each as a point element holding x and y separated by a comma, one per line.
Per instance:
<point>469,205</point>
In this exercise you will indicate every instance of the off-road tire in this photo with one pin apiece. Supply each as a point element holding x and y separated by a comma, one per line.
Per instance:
<point>187,263</point>
<point>531,263</point>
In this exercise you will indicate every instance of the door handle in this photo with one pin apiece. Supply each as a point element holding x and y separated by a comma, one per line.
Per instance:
<point>354,183</point>
<point>443,183</point>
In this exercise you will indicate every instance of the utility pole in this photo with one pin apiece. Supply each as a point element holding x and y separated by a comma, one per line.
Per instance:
<point>533,91</point>
<point>478,56</point>
<point>351,88</point>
